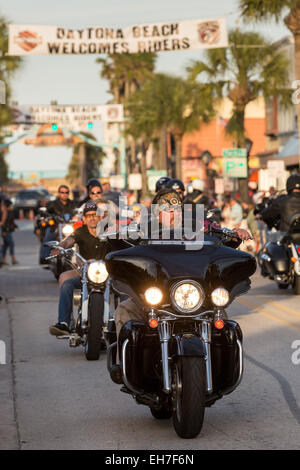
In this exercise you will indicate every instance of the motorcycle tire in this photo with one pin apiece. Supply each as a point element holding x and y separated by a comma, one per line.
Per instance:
<point>297,285</point>
<point>189,399</point>
<point>95,322</point>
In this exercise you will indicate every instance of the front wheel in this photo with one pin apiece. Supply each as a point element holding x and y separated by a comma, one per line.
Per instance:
<point>95,323</point>
<point>189,396</point>
<point>296,284</point>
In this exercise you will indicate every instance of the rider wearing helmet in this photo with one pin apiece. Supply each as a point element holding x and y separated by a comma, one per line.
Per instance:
<point>285,206</point>
<point>176,185</point>
<point>161,183</point>
<point>197,196</point>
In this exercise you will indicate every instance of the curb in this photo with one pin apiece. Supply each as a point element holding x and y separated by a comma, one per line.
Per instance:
<point>9,439</point>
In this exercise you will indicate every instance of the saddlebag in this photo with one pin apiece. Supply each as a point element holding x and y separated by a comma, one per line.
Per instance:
<point>274,259</point>
<point>142,354</point>
<point>226,357</point>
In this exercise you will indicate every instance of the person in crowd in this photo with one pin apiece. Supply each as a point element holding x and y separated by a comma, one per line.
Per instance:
<point>236,214</point>
<point>8,228</point>
<point>3,212</point>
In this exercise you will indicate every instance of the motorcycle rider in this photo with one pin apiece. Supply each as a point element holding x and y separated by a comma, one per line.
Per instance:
<point>90,247</point>
<point>60,206</point>
<point>197,196</point>
<point>283,207</point>
<point>177,185</point>
<point>161,183</point>
<point>167,203</point>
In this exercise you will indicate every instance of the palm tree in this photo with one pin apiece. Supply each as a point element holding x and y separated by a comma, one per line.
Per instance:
<point>265,10</point>
<point>242,74</point>
<point>126,73</point>
<point>8,66</point>
<point>170,103</point>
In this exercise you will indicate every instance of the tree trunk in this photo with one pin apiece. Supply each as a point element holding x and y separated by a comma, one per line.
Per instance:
<point>144,170</point>
<point>162,164</point>
<point>82,164</point>
<point>292,21</point>
<point>178,160</point>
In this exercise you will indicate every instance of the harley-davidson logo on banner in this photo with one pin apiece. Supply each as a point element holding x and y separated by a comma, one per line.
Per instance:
<point>181,35</point>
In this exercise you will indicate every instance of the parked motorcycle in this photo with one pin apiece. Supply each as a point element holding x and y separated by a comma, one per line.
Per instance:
<point>189,354</point>
<point>87,328</point>
<point>281,261</point>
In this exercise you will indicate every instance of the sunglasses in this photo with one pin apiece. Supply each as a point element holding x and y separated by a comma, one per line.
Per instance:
<point>64,192</point>
<point>89,216</point>
<point>98,192</point>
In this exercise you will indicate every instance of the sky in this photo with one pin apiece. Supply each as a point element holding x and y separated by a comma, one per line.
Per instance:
<point>76,79</point>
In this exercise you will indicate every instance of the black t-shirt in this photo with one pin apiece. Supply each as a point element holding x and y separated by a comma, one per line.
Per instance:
<point>90,247</point>
<point>57,208</point>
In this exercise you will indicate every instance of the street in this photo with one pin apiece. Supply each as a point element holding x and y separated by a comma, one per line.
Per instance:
<point>53,398</point>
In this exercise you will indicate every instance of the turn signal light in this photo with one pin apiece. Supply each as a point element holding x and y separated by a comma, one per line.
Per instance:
<point>293,259</point>
<point>219,324</point>
<point>43,224</point>
<point>153,323</point>
<point>51,222</point>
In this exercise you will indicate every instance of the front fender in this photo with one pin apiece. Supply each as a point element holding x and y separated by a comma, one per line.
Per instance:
<point>187,345</point>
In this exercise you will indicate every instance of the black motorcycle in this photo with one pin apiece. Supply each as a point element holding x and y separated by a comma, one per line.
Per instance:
<point>60,227</point>
<point>281,261</point>
<point>92,302</point>
<point>188,354</point>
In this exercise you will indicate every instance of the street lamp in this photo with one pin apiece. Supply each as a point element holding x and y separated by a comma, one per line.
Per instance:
<point>206,157</point>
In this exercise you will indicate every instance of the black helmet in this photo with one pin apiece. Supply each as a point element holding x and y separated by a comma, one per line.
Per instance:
<point>161,183</point>
<point>176,184</point>
<point>293,182</point>
<point>93,182</point>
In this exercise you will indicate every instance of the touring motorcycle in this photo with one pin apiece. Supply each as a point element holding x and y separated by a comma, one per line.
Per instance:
<point>281,261</point>
<point>92,302</point>
<point>188,354</point>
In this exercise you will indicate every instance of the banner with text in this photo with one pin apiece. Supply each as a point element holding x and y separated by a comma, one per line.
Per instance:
<point>157,37</point>
<point>72,116</point>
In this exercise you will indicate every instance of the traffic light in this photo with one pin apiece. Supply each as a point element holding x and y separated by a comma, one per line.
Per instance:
<point>90,125</point>
<point>54,127</point>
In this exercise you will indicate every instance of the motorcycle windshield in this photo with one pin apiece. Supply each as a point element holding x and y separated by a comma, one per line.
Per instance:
<point>161,263</point>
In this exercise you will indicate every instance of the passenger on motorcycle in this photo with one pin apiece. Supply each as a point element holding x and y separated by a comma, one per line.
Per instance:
<point>168,203</point>
<point>90,247</point>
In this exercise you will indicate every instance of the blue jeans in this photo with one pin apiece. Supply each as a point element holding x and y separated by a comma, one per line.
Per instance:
<point>50,236</point>
<point>8,243</point>
<point>65,305</point>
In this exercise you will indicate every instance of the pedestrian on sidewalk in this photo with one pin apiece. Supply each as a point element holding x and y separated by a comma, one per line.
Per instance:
<point>8,228</point>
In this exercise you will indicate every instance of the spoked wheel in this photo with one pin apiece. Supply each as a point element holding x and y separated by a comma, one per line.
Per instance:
<point>189,396</point>
<point>95,323</point>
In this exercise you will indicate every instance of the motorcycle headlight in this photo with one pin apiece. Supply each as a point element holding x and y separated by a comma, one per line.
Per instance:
<point>97,272</point>
<point>187,296</point>
<point>67,230</point>
<point>220,297</point>
<point>153,295</point>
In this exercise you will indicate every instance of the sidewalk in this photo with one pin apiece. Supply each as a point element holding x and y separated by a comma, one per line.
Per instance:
<point>8,425</point>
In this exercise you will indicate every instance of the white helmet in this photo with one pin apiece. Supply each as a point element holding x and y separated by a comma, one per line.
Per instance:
<point>198,184</point>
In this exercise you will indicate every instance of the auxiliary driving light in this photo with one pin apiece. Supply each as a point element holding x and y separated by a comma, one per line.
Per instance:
<point>220,297</point>
<point>153,296</point>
